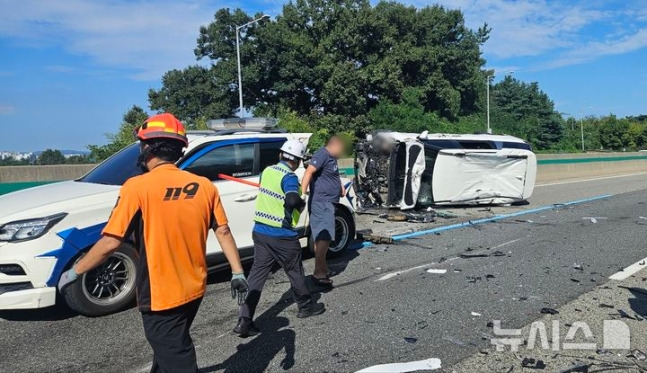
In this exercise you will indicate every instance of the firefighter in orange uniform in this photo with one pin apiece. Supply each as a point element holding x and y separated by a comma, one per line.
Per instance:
<point>170,213</point>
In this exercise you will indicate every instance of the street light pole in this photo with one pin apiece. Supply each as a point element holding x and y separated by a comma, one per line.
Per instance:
<point>240,75</point>
<point>487,81</point>
<point>582,131</point>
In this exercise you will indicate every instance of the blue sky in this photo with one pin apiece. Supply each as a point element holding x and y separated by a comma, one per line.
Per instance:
<point>69,69</point>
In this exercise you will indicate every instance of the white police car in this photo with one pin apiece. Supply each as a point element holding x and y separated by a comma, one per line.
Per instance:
<point>43,230</point>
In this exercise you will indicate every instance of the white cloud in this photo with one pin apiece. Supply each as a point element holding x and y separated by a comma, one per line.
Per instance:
<point>564,32</point>
<point>526,28</point>
<point>6,109</point>
<point>147,37</point>
<point>592,50</point>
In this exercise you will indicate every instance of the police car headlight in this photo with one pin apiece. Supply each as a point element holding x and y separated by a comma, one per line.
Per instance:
<point>24,230</point>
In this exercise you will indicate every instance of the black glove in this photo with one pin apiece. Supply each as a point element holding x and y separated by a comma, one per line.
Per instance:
<point>239,287</point>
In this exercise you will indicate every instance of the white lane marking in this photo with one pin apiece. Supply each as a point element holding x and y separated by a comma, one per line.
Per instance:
<point>429,364</point>
<point>505,244</point>
<point>438,271</point>
<point>398,273</point>
<point>619,276</point>
<point>591,179</point>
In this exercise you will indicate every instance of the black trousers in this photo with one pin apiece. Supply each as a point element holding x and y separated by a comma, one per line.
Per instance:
<point>168,334</point>
<point>268,250</point>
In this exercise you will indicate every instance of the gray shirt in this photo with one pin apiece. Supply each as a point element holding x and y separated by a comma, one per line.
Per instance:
<point>325,185</point>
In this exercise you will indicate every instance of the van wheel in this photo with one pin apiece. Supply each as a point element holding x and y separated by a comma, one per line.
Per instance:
<point>344,234</point>
<point>108,288</point>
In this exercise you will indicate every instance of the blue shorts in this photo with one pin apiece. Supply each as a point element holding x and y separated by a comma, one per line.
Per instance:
<point>322,221</point>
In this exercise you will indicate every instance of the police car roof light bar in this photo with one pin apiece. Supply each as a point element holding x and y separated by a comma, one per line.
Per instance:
<point>261,124</point>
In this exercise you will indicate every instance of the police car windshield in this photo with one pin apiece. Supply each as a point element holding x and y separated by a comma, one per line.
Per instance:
<point>116,169</point>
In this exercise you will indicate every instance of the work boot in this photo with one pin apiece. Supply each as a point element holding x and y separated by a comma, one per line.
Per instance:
<point>246,328</point>
<point>312,310</point>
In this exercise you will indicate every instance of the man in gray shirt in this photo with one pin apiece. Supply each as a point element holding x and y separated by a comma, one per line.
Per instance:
<point>322,177</point>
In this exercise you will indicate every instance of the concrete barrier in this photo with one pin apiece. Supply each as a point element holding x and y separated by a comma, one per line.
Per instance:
<point>554,167</point>
<point>14,174</point>
<point>559,167</point>
<point>551,168</point>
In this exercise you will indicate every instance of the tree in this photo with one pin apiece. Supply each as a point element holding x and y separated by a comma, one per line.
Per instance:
<point>124,137</point>
<point>331,62</point>
<point>51,156</point>
<point>524,110</point>
<point>194,95</point>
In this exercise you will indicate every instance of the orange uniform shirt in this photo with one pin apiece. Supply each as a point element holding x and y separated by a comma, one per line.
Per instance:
<point>170,211</point>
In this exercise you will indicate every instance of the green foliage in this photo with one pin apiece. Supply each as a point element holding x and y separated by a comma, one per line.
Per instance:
<point>194,95</point>
<point>124,137</point>
<point>11,161</point>
<point>331,62</point>
<point>51,156</point>
<point>522,109</point>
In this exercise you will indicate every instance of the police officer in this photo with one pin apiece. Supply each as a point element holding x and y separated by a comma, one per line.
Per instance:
<point>170,213</point>
<point>278,208</point>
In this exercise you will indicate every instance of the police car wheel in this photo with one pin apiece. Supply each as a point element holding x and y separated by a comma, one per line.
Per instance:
<point>344,233</point>
<point>108,288</point>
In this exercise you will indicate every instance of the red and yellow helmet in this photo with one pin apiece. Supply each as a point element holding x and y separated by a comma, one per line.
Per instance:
<point>162,126</point>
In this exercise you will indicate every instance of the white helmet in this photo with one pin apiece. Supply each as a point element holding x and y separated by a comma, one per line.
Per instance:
<point>293,149</point>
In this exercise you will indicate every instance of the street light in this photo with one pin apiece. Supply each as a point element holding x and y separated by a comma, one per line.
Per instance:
<point>488,79</point>
<point>240,75</point>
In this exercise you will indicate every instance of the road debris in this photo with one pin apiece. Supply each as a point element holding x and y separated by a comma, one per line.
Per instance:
<point>638,355</point>
<point>410,339</point>
<point>603,305</point>
<point>578,267</point>
<point>531,363</point>
<point>428,217</point>
<point>476,314</point>
<point>368,235</point>
<point>474,255</point>
<point>473,279</point>
<point>549,311</point>
<point>437,271</point>
<point>594,219</point>
<point>397,217</point>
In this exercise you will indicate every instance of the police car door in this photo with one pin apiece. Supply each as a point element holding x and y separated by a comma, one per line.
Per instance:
<point>236,159</point>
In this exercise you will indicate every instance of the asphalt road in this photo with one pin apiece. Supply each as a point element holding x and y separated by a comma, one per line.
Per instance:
<point>383,295</point>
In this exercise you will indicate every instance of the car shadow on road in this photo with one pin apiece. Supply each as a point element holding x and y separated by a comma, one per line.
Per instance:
<point>638,304</point>
<point>57,312</point>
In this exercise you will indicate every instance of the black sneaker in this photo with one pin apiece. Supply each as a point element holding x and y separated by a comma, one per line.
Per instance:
<point>246,328</point>
<point>313,310</point>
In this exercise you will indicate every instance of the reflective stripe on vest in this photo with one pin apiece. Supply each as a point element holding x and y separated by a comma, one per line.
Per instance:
<point>270,202</point>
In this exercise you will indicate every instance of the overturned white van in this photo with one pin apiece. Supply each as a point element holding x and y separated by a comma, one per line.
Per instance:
<point>406,170</point>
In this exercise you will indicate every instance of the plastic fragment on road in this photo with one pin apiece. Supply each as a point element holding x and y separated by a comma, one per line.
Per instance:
<point>410,339</point>
<point>578,267</point>
<point>593,219</point>
<point>638,355</point>
<point>531,363</point>
<point>437,271</point>
<point>476,314</point>
<point>549,311</point>
<point>429,364</point>
<point>475,255</point>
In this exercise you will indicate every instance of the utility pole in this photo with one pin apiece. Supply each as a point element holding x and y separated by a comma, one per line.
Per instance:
<point>240,75</point>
